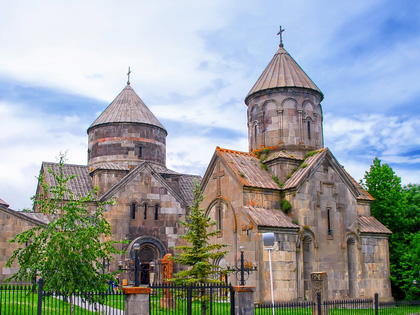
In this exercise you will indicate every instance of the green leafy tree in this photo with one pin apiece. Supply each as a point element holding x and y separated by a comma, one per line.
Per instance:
<point>199,254</point>
<point>390,208</point>
<point>69,251</point>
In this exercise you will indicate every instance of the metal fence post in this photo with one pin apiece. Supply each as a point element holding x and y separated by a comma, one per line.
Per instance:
<point>40,288</point>
<point>189,300</point>
<point>376,303</point>
<point>319,305</point>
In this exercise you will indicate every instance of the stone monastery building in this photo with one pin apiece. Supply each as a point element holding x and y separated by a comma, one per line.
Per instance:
<point>288,183</point>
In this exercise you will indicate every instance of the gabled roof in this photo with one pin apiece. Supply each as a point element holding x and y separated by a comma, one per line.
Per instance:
<point>4,203</point>
<point>81,185</point>
<point>283,71</point>
<point>247,169</point>
<point>33,217</point>
<point>371,225</point>
<point>269,218</point>
<point>280,155</point>
<point>134,172</point>
<point>312,163</point>
<point>129,108</point>
<point>186,186</point>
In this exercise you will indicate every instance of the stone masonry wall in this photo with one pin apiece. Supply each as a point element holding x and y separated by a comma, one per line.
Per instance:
<point>119,143</point>
<point>11,225</point>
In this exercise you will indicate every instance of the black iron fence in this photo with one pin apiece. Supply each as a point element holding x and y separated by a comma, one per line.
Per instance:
<point>33,300</point>
<point>211,299</point>
<point>339,307</point>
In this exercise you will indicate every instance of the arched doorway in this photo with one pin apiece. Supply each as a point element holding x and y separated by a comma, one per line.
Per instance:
<point>151,251</point>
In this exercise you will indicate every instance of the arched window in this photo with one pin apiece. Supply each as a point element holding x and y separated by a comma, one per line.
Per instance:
<point>219,216</point>
<point>330,230</point>
<point>309,130</point>
<point>156,211</point>
<point>140,151</point>
<point>145,211</point>
<point>133,211</point>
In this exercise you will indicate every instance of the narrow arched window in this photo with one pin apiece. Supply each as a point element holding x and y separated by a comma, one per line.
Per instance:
<point>255,133</point>
<point>330,231</point>
<point>309,130</point>
<point>156,212</point>
<point>145,211</point>
<point>133,211</point>
<point>140,151</point>
<point>219,217</point>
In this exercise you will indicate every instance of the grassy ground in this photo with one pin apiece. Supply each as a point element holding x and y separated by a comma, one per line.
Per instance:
<point>25,302</point>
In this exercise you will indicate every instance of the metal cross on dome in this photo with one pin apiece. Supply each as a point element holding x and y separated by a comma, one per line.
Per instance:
<point>281,37</point>
<point>128,75</point>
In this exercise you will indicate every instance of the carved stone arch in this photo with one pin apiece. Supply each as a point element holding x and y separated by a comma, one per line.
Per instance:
<point>255,132</point>
<point>351,237</point>
<point>149,242</point>
<point>287,103</point>
<point>268,102</point>
<point>307,248</point>
<point>352,264</point>
<point>228,206</point>
<point>254,110</point>
<point>308,233</point>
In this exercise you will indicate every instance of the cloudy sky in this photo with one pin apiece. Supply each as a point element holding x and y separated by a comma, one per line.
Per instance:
<point>193,62</point>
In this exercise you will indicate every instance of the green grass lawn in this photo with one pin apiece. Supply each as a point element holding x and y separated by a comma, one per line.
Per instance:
<point>23,301</point>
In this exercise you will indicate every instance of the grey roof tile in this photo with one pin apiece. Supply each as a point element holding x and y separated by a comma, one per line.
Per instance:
<point>372,225</point>
<point>186,186</point>
<point>81,185</point>
<point>247,169</point>
<point>127,107</point>
<point>283,71</point>
<point>269,217</point>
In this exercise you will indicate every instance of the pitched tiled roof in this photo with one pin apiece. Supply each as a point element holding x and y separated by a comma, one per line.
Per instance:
<point>186,186</point>
<point>127,107</point>
<point>371,225</point>
<point>4,203</point>
<point>269,217</point>
<point>163,170</point>
<point>81,185</point>
<point>36,216</point>
<point>110,166</point>
<point>283,71</point>
<point>301,173</point>
<point>279,154</point>
<point>364,195</point>
<point>247,169</point>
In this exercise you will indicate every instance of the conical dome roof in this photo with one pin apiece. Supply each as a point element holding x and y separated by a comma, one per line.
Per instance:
<point>283,71</point>
<point>129,108</point>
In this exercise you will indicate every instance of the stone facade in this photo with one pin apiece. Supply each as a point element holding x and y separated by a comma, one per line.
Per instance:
<point>290,185</point>
<point>287,184</point>
<point>12,222</point>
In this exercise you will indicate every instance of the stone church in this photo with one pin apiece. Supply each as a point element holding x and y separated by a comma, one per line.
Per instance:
<point>292,186</point>
<point>287,183</point>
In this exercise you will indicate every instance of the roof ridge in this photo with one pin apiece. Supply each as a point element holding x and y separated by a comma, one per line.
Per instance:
<point>219,149</point>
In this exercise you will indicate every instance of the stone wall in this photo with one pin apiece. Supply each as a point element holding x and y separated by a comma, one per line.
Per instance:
<point>120,143</point>
<point>12,224</point>
<point>288,118</point>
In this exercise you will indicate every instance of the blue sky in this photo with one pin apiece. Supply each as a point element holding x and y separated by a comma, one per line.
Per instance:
<point>193,63</point>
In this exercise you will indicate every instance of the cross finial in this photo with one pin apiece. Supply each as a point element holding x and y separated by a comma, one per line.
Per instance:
<point>128,75</point>
<point>281,37</point>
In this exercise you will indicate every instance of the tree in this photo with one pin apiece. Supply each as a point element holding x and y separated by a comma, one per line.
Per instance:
<point>390,208</point>
<point>198,255</point>
<point>69,251</point>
